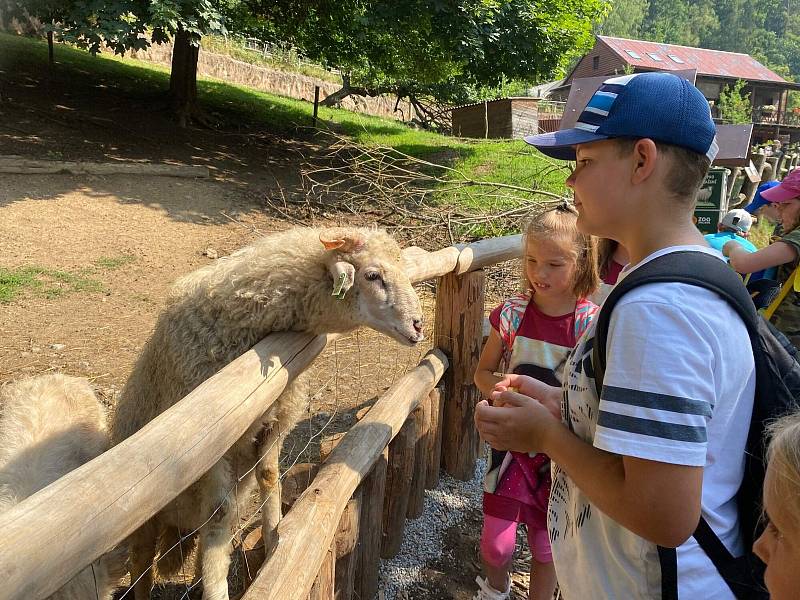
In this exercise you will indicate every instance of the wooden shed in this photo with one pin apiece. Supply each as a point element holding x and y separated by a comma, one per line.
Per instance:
<point>502,118</point>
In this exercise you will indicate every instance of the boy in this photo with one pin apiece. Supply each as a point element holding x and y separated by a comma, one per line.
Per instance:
<point>635,468</point>
<point>734,227</point>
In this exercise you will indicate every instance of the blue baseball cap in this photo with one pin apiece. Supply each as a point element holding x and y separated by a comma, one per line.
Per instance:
<point>660,106</point>
<point>759,200</point>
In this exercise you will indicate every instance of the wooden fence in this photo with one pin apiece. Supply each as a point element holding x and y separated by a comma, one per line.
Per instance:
<point>52,535</point>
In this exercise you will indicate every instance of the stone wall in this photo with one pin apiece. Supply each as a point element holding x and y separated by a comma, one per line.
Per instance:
<point>291,85</point>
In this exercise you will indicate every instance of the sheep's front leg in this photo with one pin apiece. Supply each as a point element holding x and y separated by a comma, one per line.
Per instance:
<point>215,541</point>
<point>268,476</point>
<point>215,545</point>
<point>142,543</point>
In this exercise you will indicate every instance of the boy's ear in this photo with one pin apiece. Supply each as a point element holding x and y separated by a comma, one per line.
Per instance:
<point>645,158</point>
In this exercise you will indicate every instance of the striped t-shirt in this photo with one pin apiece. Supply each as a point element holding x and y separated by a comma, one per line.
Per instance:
<point>678,388</point>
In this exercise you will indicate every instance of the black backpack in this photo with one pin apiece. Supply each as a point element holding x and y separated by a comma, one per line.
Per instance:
<point>777,393</point>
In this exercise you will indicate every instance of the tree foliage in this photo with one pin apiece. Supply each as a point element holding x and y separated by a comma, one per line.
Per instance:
<point>446,49</point>
<point>734,104</point>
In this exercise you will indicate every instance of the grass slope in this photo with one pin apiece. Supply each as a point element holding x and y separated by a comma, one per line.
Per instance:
<point>505,161</point>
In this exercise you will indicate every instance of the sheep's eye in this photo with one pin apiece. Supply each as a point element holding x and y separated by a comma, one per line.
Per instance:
<point>372,276</point>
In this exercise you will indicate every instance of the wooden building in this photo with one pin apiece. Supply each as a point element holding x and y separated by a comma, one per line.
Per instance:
<point>715,69</point>
<point>504,118</point>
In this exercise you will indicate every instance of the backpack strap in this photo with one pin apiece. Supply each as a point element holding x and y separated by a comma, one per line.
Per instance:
<point>585,310</point>
<point>510,319</point>
<point>686,266</point>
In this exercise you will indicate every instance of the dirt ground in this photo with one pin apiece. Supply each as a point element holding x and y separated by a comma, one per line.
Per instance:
<point>131,236</point>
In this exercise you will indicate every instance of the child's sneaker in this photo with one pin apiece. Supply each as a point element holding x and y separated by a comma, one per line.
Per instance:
<point>487,592</point>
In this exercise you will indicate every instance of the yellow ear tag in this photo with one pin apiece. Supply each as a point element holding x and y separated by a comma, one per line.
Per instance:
<point>338,288</point>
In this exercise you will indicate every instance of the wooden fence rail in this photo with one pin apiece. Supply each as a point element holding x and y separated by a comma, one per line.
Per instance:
<point>47,539</point>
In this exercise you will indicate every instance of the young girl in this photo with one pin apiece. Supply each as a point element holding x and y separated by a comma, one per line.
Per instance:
<point>779,545</point>
<point>532,335</point>
<point>783,253</point>
<point>612,258</point>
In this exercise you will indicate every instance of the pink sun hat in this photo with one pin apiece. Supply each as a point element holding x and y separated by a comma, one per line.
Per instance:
<point>788,189</point>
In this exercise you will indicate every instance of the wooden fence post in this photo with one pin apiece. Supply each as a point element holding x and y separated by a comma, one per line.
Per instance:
<point>369,536</point>
<point>346,546</point>
<point>434,450</point>
<point>345,541</point>
<point>398,484</point>
<point>458,331</point>
<point>422,425</point>
<point>323,584</point>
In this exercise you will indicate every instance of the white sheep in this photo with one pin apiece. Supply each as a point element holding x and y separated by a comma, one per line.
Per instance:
<point>50,425</point>
<point>303,279</point>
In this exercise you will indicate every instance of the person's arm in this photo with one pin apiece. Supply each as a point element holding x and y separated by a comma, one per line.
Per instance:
<point>488,363</point>
<point>773,255</point>
<point>658,501</point>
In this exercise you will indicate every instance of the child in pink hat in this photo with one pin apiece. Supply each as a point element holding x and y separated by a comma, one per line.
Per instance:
<point>784,253</point>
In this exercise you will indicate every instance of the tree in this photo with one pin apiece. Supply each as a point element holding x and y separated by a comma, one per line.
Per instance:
<point>625,19</point>
<point>734,104</point>
<point>122,25</point>
<point>441,49</point>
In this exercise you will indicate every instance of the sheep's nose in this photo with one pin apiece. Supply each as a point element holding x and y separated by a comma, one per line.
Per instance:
<point>417,325</point>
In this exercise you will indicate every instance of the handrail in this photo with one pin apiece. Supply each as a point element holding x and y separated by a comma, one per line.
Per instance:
<point>306,532</point>
<point>48,538</point>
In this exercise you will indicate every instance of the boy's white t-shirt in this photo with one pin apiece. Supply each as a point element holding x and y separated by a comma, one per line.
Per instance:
<point>678,388</point>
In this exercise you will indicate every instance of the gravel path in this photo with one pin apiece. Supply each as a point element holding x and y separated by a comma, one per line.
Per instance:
<point>423,538</point>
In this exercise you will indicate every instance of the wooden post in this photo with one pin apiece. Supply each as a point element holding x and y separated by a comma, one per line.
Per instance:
<point>434,450</point>
<point>345,539</point>
<point>316,103</point>
<point>486,118</point>
<point>422,423</point>
<point>398,483</point>
<point>369,536</point>
<point>323,584</point>
<point>346,547</point>
<point>50,58</point>
<point>457,330</point>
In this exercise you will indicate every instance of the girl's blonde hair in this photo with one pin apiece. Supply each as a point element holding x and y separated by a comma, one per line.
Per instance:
<point>783,456</point>
<point>560,222</point>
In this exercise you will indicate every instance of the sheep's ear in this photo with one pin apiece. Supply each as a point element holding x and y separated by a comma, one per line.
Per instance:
<point>344,275</point>
<point>342,238</point>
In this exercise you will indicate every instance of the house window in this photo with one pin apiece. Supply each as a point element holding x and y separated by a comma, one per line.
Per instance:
<point>633,54</point>
<point>675,59</point>
<point>654,56</point>
<point>595,62</point>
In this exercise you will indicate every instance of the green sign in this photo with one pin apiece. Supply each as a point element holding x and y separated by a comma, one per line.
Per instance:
<point>712,203</point>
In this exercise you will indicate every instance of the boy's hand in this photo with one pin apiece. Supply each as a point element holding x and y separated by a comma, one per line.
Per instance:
<point>520,424</point>
<point>547,395</point>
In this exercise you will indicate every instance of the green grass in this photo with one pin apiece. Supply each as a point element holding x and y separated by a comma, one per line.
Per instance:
<point>53,283</point>
<point>505,161</point>
<point>114,262</point>
<point>48,283</point>
<point>761,233</point>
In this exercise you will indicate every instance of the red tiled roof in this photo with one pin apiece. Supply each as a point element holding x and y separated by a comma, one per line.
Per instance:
<point>707,62</point>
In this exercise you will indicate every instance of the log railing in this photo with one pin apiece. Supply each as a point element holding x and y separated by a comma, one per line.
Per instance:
<point>51,536</point>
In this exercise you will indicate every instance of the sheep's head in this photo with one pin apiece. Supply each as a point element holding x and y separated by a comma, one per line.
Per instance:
<point>367,266</point>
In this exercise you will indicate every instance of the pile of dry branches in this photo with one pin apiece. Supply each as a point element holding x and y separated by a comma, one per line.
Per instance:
<point>414,197</point>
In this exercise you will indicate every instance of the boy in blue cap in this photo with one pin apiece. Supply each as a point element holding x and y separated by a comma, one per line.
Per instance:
<point>635,468</point>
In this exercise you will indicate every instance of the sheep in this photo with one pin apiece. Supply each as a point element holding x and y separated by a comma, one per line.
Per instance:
<point>303,279</point>
<point>50,425</point>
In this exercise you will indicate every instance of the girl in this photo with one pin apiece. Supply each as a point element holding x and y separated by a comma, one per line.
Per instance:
<point>783,253</point>
<point>612,258</point>
<point>779,545</point>
<point>532,335</point>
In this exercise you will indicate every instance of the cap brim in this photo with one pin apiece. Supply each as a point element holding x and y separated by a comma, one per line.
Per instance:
<point>561,144</point>
<point>779,193</point>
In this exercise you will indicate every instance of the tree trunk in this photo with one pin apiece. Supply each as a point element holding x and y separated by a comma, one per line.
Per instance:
<point>183,77</point>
